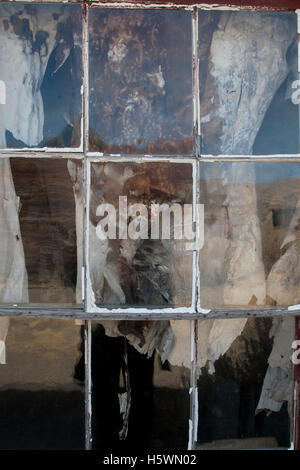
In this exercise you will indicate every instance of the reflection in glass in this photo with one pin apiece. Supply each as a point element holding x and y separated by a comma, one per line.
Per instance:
<point>40,230</point>
<point>245,383</point>
<point>248,65</point>
<point>140,81</point>
<point>139,234</point>
<point>251,246</point>
<point>41,405</point>
<point>141,380</point>
<point>41,74</point>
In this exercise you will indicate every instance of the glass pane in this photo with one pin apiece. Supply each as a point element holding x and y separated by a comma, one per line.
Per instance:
<point>41,404</point>
<point>250,255</point>
<point>141,380</point>
<point>140,235</point>
<point>140,82</point>
<point>40,228</point>
<point>41,75</point>
<point>245,383</point>
<point>249,84</point>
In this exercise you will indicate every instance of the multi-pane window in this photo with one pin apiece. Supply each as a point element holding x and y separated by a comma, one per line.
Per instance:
<point>149,210</point>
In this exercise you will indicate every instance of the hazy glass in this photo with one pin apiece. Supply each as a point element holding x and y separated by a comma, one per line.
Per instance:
<point>140,73</point>
<point>137,214</point>
<point>249,84</point>
<point>41,403</point>
<point>41,75</point>
<point>40,228</point>
<point>250,255</point>
<point>245,383</point>
<point>141,380</point>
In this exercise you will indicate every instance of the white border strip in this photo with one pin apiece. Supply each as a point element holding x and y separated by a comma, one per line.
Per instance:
<point>196,85</point>
<point>183,6</point>
<point>284,156</point>
<point>298,31</point>
<point>196,242</point>
<point>88,383</point>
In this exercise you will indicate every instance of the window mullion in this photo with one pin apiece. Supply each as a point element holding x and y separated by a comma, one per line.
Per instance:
<point>85,186</point>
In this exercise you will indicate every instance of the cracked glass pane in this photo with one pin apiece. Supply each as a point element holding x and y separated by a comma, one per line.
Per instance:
<point>40,228</point>
<point>250,254</point>
<point>140,74</point>
<point>140,235</point>
<point>41,75</point>
<point>249,83</point>
<point>141,381</point>
<point>245,383</point>
<point>41,403</point>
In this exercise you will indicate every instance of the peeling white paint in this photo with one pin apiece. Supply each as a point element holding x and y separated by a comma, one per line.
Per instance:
<point>288,156</point>
<point>192,343</point>
<point>49,150</point>
<point>95,157</point>
<point>196,85</point>
<point>294,307</point>
<point>2,92</point>
<point>4,325</point>
<point>190,435</point>
<point>82,283</point>
<point>141,5</point>
<point>141,310</point>
<point>205,311</point>
<point>196,222</point>
<point>200,6</point>
<point>96,154</point>
<point>196,413</point>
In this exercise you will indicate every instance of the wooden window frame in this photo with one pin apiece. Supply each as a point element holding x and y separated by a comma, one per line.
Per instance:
<point>82,153</point>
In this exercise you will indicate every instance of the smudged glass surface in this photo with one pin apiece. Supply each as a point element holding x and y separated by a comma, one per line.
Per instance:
<point>245,383</point>
<point>140,81</point>
<point>41,75</point>
<point>250,255</point>
<point>41,403</point>
<point>39,237</point>
<point>248,91</point>
<point>141,383</point>
<point>134,264</point>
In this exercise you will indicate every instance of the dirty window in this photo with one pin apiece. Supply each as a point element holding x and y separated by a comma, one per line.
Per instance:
<point>251,235</point>
<point>40,241</point>
<point>140,74</point>
<point>41,398</point>
<point>41,75</point>
<point>141,237</point>
<point>248,83</point>
<point>245,383</point>
<point>141,376</point>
